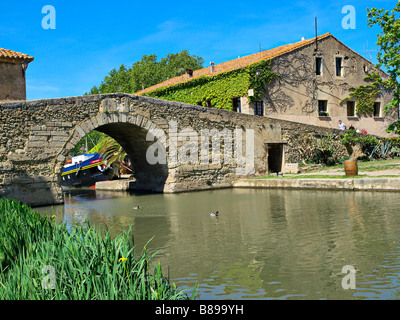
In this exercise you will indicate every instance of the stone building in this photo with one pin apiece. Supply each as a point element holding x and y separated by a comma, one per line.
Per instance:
<point>12,75</point>
<point>315,75</point>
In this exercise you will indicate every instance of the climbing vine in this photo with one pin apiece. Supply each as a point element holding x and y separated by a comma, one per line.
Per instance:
<point>218,90</point>
<point>365,95</point>
<point>260,76</point>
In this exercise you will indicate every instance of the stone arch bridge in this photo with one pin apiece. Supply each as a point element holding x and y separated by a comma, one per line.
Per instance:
<point>173,146</point>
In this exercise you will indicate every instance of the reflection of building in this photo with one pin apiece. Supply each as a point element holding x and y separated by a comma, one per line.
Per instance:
<point>12,74</point>
<point>315,75</point>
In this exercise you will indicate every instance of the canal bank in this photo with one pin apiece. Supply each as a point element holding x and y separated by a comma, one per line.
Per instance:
<point>382,175</point>
<point>366,183</point>
<point>115,185</point>
<point>373,176</point>
<point>357,184</point>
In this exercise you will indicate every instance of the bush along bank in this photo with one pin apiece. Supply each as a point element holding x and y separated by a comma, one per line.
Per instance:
<point>42,260</point>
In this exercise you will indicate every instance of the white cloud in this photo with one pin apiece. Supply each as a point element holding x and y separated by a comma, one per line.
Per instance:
<point>37,92</point>
<point>43,88</point>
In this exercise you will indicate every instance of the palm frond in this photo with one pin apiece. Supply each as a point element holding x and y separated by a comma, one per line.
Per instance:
<point>111,151</point>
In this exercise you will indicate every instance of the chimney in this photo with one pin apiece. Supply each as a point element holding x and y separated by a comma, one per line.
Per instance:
<point>211,67</point>
<point>189,72</point>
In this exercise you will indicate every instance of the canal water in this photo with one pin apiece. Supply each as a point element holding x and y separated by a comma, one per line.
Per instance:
<point>265,244</point>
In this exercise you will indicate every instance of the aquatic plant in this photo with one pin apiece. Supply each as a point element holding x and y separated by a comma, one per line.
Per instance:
<point>42,260</point>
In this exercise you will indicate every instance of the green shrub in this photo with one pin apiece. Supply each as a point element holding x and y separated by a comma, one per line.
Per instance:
<point>367,143</point>
<point>323,150</point>
<point>394,140</point>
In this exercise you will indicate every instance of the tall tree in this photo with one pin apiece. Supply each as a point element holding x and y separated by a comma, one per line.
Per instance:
<point>147,72</point>
<point>389,54</point>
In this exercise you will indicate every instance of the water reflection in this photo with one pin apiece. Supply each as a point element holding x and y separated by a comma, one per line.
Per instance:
<point>270,244</point>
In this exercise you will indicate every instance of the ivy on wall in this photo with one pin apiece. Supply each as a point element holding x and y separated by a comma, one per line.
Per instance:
<point>365,95</point>
<point>219,90</point>
<point>259,82</point>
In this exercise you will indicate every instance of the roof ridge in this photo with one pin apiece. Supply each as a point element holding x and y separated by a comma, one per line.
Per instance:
<point>236,63</point>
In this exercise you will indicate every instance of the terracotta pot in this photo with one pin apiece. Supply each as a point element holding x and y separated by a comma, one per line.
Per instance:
<point>351,168</point>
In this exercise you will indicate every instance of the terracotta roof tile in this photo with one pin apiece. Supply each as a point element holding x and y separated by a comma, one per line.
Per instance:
<point>236,63</point>
<point>6,54</point>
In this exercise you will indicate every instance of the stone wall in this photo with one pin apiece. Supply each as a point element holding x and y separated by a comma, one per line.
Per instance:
<point>301,138</point>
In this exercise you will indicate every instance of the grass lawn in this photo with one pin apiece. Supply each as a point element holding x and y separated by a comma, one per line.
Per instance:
<point>323,176</point>
<point>367,166</point>
<point>379,165</point>
<point>376,165</point>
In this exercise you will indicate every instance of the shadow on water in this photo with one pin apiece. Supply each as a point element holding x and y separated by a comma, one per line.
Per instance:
<point>265,244</point>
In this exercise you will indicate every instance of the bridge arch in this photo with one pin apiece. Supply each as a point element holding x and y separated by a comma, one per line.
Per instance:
<point>135,133</point>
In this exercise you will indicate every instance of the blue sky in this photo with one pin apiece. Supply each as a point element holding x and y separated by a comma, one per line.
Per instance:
<point>93,37</point>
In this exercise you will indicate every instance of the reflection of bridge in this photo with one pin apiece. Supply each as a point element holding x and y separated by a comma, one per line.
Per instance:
<point>36,136</point>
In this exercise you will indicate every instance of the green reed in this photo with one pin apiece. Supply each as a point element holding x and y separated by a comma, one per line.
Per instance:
<point>40,259</point>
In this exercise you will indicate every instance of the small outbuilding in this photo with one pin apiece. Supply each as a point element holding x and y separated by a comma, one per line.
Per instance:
<point>13,67</point>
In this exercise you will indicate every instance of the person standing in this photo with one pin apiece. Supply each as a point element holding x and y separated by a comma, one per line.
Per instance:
<point>342,125</point>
